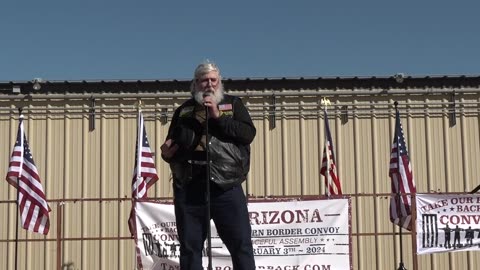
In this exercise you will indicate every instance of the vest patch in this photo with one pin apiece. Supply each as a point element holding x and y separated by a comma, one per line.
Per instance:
<point>187,111</point>
<point>225,107</point>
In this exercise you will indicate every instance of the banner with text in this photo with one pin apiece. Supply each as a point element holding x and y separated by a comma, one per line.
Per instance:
<point>447,223</point>
<point>303,235</point>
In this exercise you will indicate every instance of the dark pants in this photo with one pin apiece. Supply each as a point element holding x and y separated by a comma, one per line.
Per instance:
<point>230,214</point>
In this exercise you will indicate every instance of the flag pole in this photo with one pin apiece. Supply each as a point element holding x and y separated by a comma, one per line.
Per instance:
<point>401,265</point>
<point>20,109</point>
<point>328,177</point>
<point>138,173</point>
<point>139,146</point>
<point>138,154</point>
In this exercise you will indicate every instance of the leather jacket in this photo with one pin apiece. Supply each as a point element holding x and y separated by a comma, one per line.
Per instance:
<point>229,142</point>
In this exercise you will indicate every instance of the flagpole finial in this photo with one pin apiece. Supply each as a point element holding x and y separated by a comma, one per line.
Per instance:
<point>139,104</point>
<point>326,102</point>
<point>20,109</point>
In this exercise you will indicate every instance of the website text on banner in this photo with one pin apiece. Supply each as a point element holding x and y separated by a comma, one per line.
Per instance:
<point>447,223</point>
<point>312,234</point>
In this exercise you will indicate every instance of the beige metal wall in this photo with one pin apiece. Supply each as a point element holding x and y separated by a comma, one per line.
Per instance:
<point>87,174</point>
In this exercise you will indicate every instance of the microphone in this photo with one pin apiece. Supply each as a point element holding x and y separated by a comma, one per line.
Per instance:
<point>206,94</point>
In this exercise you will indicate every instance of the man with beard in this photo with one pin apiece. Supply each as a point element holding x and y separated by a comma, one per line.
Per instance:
<point>230,132</point>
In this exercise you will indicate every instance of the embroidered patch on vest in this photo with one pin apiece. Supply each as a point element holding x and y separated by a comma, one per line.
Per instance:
<point>186,111</point>
<point>225,107</point>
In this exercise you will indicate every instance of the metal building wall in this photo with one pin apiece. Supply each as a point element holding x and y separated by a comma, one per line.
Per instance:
<point>87,174</point>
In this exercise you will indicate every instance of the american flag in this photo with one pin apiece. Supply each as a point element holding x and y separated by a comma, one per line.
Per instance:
<point>23,175</point>
<point>402,180</point>
<point>144,173</point>
<point>332,182</point>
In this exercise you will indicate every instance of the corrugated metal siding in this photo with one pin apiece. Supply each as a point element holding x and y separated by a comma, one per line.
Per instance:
<point>87,174</point>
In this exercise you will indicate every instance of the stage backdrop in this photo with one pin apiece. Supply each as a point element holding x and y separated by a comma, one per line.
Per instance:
<point>447,223</point>
<point>309,234</point>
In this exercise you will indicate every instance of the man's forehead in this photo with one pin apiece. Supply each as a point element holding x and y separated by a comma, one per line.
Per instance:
<point>211,74</point>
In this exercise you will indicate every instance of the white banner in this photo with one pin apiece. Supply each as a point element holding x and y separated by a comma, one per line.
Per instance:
<point>447,223</point>
<point>289,235</point>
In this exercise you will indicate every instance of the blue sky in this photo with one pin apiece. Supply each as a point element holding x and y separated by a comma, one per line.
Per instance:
<point>153,39</point>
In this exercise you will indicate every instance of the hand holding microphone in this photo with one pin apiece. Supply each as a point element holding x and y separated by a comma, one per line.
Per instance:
<point>210,102</point>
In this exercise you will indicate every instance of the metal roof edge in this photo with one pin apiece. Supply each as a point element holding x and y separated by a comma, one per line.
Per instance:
<point>132,81</point>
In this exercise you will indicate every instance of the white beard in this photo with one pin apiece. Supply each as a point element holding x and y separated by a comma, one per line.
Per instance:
<point>217,95</point>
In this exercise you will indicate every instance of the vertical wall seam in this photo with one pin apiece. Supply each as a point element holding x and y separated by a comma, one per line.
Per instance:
<point>83,211</point>
<point>285,171</point>
<point>267,159</point>
<point>356,177</point>
<point>303,158</point>
<point>375,180</point>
